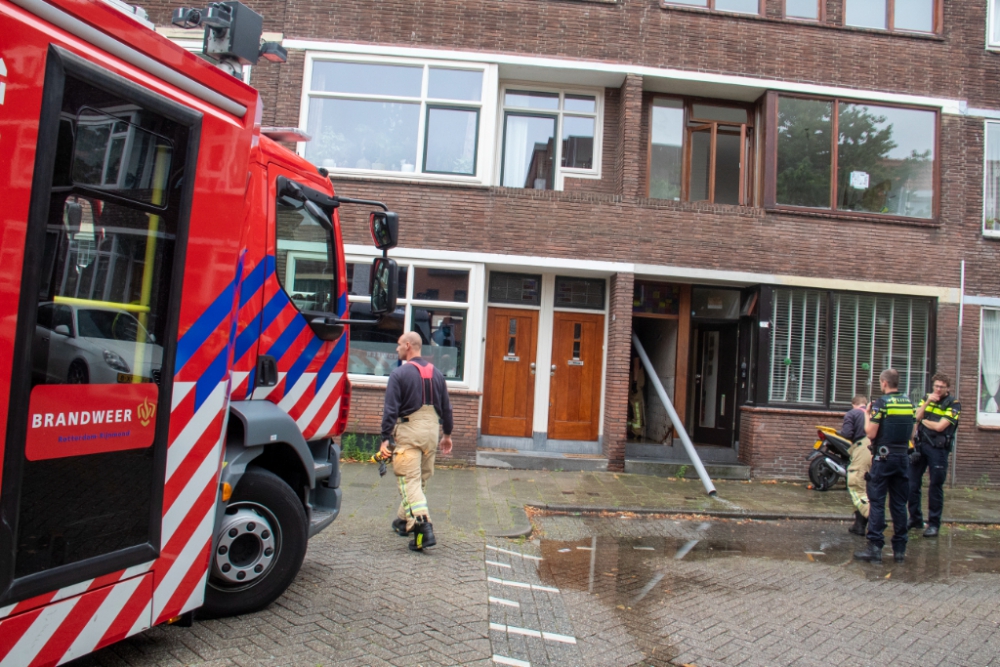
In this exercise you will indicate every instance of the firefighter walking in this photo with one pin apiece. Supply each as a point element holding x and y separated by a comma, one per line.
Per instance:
<point>417,407</point>
<point>889,424</point>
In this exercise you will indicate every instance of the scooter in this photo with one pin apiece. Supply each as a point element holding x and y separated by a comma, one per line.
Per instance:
<point>830,460</point>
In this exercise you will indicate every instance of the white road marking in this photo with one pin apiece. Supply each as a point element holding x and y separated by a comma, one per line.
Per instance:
<point>644,548</point>
<point>513,662</point>
<point>518,584</point>
<point>549,636</point>
<point>493,562</point>
<point>585,548</point>
<point>506,603</point>
<point>512,553</point>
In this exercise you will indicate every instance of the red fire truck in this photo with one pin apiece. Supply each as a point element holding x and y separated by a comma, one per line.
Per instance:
<point>173,351</point>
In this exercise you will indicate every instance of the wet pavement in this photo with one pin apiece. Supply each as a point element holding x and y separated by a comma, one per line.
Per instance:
<point>608,590</point>
<point>745,592</point>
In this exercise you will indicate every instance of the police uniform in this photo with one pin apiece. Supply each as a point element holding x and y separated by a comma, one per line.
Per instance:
<point>889,474</point>
<point>932,449</point>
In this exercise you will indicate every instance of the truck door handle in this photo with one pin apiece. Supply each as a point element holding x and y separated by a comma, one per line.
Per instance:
<point>267,371</point>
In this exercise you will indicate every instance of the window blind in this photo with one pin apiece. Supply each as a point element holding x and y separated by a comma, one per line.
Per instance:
<point>798,346</point>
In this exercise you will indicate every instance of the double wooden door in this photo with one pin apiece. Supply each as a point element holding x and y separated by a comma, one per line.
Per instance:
<point>575,374</point>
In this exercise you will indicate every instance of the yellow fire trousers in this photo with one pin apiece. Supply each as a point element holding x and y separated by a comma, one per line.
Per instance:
<point>413,461</point>
<point>861,463</point>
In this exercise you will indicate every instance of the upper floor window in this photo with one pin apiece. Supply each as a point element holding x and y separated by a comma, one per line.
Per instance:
<point>699,151</point>
<point>547,136</point>
<point>854,157</point>
<point>899,15</point>
<point>993,25</point>
<point>991,194</point>
<point>736,6</point>
<point>809,10</point>
<point>395,116</point>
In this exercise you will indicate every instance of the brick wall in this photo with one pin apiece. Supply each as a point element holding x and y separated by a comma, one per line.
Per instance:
<point>775,442</point>
<point>619,358</point>
<point>953,64</point>
<point>366,417</point>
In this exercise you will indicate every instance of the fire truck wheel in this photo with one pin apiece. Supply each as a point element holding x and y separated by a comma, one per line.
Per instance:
<point>259,546</point>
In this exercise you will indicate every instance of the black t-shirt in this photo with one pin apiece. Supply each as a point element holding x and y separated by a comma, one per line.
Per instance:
<point>404,395</point>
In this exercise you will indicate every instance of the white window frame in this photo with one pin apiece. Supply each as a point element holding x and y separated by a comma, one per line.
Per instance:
<point>291,258</point>
<point>992,15</point>
<point>990,126</point>
<point>473,319</point>
<point>486,106</point>
<point>983,418</point>
<point>560,173</point>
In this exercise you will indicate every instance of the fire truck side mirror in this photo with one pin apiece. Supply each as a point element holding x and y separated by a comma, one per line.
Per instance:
<point>385,229</point>
<point>385,285</point>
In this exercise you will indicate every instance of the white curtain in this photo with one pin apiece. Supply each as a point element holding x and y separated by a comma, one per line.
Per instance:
<point>515,152</point>
<point>992,194</point>
<point>989,353</point>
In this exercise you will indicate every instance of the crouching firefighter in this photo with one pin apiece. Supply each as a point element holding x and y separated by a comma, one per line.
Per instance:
<point>889,423</point>
<point>416,407</point>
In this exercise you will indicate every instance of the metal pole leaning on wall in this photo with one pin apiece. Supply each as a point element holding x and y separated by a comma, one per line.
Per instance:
<point>675,420</point>
<point>958,367</point>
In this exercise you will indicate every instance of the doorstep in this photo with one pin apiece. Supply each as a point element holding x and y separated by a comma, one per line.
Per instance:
<point>528,460</point>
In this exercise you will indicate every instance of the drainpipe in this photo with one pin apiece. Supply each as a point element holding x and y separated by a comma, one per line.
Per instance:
<point>958,367</point>
<point>675,420</point>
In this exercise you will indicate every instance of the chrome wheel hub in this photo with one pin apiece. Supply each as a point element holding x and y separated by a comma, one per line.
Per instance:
<point>246,548</point>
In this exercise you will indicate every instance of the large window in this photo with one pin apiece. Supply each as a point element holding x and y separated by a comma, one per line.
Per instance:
<point>826,347</point>
<point>736,6</point>
<point>699,151</point>
<point>993,26</point>
<point>901,15</point>
<point>853,157</point>
<point>400,117</point>
<point>989,367</point>
<point>433,301</point>
<point>547,136</point>
<point>991,191</point>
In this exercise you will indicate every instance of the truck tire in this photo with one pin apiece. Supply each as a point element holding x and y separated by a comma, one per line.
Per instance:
<point>259,547</point>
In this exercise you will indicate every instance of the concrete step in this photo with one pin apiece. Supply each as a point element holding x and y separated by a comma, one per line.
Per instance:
<point>675,468</point>
<point>708,453</point>
<point>494,458</point>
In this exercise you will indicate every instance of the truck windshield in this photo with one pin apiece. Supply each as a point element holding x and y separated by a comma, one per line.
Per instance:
<point>304,259</point>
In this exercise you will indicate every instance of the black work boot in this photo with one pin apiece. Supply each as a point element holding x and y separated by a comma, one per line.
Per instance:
<point>423,535</point>
<point>914,525</point>
<point>870,553</point>
<point>932,531</point>
<point>399,527</point>
<point>860,524</point>
<point>899,556</point>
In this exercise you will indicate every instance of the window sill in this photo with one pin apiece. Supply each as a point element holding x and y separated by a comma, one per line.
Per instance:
<point>804,410</point>
<point>365,382</point>
<point>406,178</point>
<point>991,234</point>
<point>857,217</point>
<point>701,206</point>
<point>804,23</point>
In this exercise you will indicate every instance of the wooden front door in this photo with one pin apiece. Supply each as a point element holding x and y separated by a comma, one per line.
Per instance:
<point>575,391</point>
<point>509,387</point>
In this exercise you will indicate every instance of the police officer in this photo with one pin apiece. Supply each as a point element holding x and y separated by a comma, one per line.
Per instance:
<point>889,424</point>
<point>416,406</point>
<point>937,421</point>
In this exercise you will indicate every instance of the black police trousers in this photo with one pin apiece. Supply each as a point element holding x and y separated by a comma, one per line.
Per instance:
<point>888,476</point>
<point>935,461</point>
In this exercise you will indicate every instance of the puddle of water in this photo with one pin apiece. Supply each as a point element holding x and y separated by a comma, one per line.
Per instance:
<point>634,567</point>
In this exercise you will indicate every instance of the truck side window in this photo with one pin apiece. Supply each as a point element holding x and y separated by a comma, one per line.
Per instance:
<point>87,475</point>
<point>304,264</point>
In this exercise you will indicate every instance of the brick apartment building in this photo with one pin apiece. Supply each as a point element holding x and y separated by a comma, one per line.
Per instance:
<point>776,196</point>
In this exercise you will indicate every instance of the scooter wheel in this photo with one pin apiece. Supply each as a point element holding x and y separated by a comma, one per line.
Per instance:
<point>821,475</point>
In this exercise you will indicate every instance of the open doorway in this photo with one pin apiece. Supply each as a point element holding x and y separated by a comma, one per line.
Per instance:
<point>649,422</point>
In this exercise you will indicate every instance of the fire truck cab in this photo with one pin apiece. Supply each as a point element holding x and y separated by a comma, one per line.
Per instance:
<point>173,351</point>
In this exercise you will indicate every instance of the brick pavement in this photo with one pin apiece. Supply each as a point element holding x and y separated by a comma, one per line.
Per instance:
<point>347,606</point>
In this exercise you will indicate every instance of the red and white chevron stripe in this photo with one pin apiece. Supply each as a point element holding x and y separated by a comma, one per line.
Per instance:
<point>315,412</point>
<point>73,621</point>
